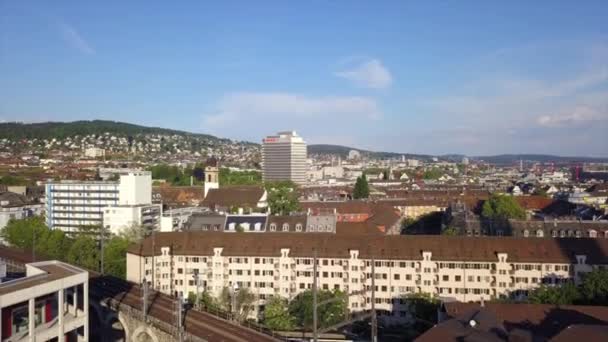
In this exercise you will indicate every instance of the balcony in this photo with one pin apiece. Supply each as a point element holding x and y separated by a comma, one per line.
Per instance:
<point>492,271</point>
<point>493,283</point>
<point>418,282</point>
<point>277,265</point>
<point>511,271</point>
<point>418,270</point>
<point>435,282</point>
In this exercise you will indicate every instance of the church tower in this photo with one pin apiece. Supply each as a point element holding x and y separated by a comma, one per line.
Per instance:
<point>212,174</point>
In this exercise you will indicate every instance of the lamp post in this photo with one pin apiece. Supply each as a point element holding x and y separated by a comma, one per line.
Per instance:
<point>235,288</point>
<point>197,301</point>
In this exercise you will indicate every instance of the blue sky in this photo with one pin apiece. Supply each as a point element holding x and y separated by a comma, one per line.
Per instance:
<point>472,77</point>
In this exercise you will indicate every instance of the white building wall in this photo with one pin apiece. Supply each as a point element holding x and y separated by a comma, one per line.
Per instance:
<point>117,218</point>
<point>287,276</point>
<point>135,188</point>
<point>72,204</point>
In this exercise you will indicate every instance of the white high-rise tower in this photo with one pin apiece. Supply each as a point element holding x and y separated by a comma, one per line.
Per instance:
<point>284,158</point>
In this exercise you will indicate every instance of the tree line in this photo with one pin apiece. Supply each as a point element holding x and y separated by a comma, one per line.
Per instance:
<point>82,249</point>
<point>593,290</point>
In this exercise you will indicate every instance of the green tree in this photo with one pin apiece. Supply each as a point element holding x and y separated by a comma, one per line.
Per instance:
<point>14,180</point>
<point>115,256</point>
<point>22,233</point>
<point>361,189</point>
<point>449,231</point>
<point>205,300</point>
<point>282,197</point>
<point>407,224</point>
<point>328,314</point>
<point>240,229</point>
<point>243,302</point>
<point>423,306</point>
<point>84,252</point>
<point>133,233</point>
<point>502,207</point>
<point>433,173</point>
<point>277,316</point>
<point>54,244</point>
<point>228,177</point>
<point>557,295</point>
<point>594,287</point>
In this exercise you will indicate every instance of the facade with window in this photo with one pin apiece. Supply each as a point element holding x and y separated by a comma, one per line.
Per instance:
<point>452,268</point>
<point>74,204</point>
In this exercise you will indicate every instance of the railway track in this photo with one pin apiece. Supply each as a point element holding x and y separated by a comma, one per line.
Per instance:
<point>162,307</point>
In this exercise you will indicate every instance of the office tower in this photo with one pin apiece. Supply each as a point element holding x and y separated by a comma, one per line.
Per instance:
<point>284,157</point>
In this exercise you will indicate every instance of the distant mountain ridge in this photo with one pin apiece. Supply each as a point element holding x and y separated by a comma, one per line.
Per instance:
<point>343,151</point>
<point>61,130</point>
<point>543,158</point>
<point>497,159</point>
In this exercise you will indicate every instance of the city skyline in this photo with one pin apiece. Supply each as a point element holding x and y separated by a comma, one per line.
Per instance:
<point>479,79</point>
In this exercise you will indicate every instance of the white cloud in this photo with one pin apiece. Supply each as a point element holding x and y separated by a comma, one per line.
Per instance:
<point>579,115</point>
<point>369,74</point>
<point>75,39</point>
<point>279,106</point>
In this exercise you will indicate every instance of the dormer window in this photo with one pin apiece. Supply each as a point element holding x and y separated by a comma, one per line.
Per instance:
<point>273,227</point>
<point>285,227</point>
<point>298,227</point>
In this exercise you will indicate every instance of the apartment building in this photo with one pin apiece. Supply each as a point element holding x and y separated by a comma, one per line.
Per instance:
<point>113,204</point>
<point>72,204</point>
<point>281,264</point>
<point>284,158</point>
<point>49,303</point>
<point>17,207</point>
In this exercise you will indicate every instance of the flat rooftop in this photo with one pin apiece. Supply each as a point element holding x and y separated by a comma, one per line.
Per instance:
<point>48,271</point>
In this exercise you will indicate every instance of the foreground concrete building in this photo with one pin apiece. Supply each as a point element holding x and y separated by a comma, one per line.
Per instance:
<point>50,302</point>
<point>281,264</point>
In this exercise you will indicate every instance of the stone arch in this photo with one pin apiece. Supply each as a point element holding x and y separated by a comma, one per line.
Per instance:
<point>142,332</point>
<point>114,320</point>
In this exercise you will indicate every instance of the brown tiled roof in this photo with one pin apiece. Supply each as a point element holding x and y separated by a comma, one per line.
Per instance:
<point>542,319</point>
<point>354,229</point>
<point>241,196</point>
<point>382,247</point>
<point>383,216</point>
<point>178,196</point>
<point>578,332</point>
<point>533,202</point>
